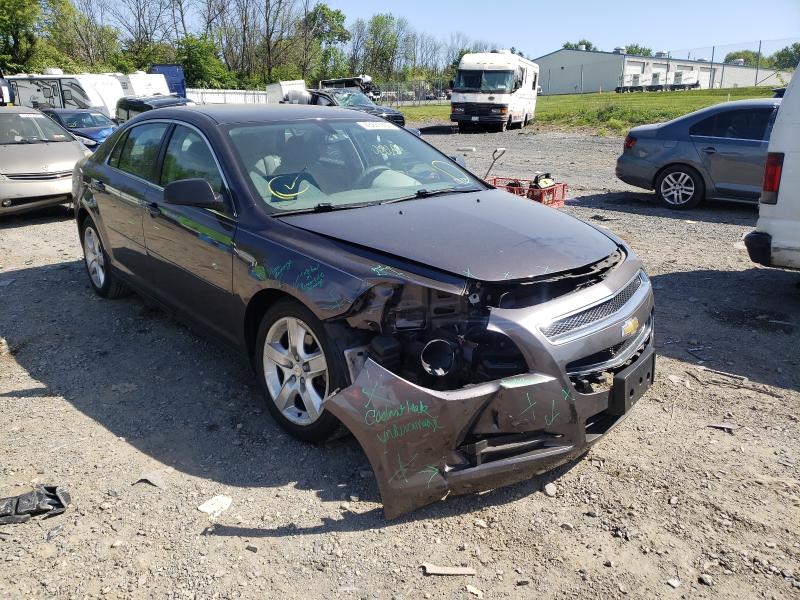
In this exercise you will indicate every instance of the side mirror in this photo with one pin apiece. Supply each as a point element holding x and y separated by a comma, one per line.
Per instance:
<point>193,192</point>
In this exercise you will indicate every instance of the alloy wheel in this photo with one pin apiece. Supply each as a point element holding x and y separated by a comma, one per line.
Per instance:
<point>677,188</point>
<point>93,253</point>
<point>295,370</point>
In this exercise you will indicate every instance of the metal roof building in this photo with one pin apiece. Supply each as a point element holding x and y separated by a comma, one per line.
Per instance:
<point>568,71</point>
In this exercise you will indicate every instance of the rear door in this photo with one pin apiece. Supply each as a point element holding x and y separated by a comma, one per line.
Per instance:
<point>192,247</point>
<point>732,145</point>
<point>122,188</point>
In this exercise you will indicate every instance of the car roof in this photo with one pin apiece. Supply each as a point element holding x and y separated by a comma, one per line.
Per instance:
<point>227,114</point>
<point>20,110</point>
<point>59,111</point>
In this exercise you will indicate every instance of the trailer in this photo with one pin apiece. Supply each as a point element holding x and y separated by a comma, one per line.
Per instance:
<point>140,83</point>
<point>54,89</point>
<point>683,80</point>
<point>658,81</point>
<point>633,82</point>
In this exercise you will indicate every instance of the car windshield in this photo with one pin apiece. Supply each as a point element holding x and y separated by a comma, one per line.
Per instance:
<point>350,97</point>
<point>469,80</point>
<point>30,128</point>
<point>339,163</point>
<point>80,120</point>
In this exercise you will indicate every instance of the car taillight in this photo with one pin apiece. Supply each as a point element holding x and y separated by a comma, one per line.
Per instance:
<point>772,178</point>
<point>629,143</point>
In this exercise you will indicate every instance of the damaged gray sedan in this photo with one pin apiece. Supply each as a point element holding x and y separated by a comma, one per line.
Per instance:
<point>467,338</point>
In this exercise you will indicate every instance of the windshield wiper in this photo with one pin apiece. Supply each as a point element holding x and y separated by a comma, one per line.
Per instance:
<point>423,193</point>
<point>317,208</point>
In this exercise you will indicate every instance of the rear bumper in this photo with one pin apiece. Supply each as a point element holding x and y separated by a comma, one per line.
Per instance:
<point>635,171</point>
<point>759,247</point>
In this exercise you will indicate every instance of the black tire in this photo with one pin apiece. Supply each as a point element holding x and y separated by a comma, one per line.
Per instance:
<point>504,125</point>
<point>109,287</point>
<point>680,179</point>
<point>326,426</point>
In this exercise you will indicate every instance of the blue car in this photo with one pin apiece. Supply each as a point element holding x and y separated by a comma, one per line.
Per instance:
<point>89,126</point>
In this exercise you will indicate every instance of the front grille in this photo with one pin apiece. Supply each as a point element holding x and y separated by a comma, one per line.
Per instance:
<point>595,313</point>
<point>39,176</point>
<point>475,109</point>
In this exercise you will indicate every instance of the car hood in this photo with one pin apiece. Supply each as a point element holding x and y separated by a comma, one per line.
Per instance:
<point>47,157</point>
<point>98,134</point>
<point>489,235</point>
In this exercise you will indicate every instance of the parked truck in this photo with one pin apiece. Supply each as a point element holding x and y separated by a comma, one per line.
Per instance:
<point>54,89</point>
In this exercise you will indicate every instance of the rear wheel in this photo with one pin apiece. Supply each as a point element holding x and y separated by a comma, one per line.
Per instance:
<point>464,128</point>
<point>298,367</point>
<point>680,187</point>
<point>103,281</point>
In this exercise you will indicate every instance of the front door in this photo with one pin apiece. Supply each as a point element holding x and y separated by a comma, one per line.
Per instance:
<point>192,247</point>
<point>122,188</point>
<point>732,145</point>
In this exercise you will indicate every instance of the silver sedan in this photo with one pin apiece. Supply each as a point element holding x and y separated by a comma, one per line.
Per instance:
<point>716,153</point>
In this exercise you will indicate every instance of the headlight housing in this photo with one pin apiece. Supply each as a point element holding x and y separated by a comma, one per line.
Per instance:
<point>499,110</point>
<point>90,143</point>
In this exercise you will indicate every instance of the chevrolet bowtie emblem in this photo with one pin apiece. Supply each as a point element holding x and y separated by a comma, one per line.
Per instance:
<point>630,327</point>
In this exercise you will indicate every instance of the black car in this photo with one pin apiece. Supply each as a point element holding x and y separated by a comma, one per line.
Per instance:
<point>130,106</point>
<point>465,336</point>
<point>355,99</point>
<point>88,125</point>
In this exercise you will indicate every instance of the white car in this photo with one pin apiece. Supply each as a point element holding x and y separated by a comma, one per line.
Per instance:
<point>776,239</point>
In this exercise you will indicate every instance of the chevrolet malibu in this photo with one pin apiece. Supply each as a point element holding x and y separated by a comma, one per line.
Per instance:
<point>467,338</point>
<point>37,157</point>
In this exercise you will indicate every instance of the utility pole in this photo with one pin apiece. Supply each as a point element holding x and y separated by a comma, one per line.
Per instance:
<point>711,84</point>
<point>758,61</point>
<point>581,79</point>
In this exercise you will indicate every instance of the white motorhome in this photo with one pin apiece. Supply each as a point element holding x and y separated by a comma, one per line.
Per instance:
<point>494,88</point>
<point>53,89</point>
<point>140,83</point>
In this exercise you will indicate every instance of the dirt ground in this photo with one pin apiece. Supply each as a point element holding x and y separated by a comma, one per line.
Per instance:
<point>94,394</point>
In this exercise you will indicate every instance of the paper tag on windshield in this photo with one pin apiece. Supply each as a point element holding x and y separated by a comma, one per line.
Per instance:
<point>376,124</point>
<point>28,115</point>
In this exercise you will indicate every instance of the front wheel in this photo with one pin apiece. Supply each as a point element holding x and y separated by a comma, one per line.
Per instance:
<point>680,187</point>
<point>298,366</point>
<point>104,282</point>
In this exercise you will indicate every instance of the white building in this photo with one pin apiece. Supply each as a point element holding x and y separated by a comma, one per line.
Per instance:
<point>578,71</point>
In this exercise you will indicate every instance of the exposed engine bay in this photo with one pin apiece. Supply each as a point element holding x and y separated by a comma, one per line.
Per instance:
<point>440,340</point>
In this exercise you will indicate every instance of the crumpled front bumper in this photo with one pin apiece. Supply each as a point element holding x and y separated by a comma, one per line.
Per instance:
<point>425,444</point>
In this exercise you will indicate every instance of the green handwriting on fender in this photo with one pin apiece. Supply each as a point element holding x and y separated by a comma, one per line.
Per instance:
<point>397,431</point>
<point>374,416</point>
<point>310,278</point>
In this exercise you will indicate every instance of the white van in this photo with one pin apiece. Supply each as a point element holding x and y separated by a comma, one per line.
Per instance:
<point>494,88</point>
<point>776,240</point>
<point>56,90</point>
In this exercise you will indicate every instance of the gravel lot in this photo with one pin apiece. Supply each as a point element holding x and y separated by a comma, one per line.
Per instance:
<point>96,393</point>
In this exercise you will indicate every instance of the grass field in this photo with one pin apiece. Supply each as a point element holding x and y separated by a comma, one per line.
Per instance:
<point>609,112</point>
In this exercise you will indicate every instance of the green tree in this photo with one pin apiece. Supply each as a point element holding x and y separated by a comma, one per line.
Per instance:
<point>381,45</point>
<point>787,58</point>
<point>584,42</point>
<point>638,50</point>
<point>18,22</point>
<point>319,28</point>
<point>750,58</point>
<point>199,57</point>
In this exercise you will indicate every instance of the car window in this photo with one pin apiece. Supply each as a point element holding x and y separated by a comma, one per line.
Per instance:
<point>189,156</point>
<point>295,165</point>
<point>113,158</point>
<point>140,151</point>
<point>743,124</point>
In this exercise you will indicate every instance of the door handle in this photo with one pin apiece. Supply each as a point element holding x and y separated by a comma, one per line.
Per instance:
<point>98,185</point>
<point>153,209</point>
<point>710,150</point>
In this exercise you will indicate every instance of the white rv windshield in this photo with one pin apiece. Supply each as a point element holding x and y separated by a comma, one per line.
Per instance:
<point>470,80</point>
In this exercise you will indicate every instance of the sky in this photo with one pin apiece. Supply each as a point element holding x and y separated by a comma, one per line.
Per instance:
<point>537,27</point>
